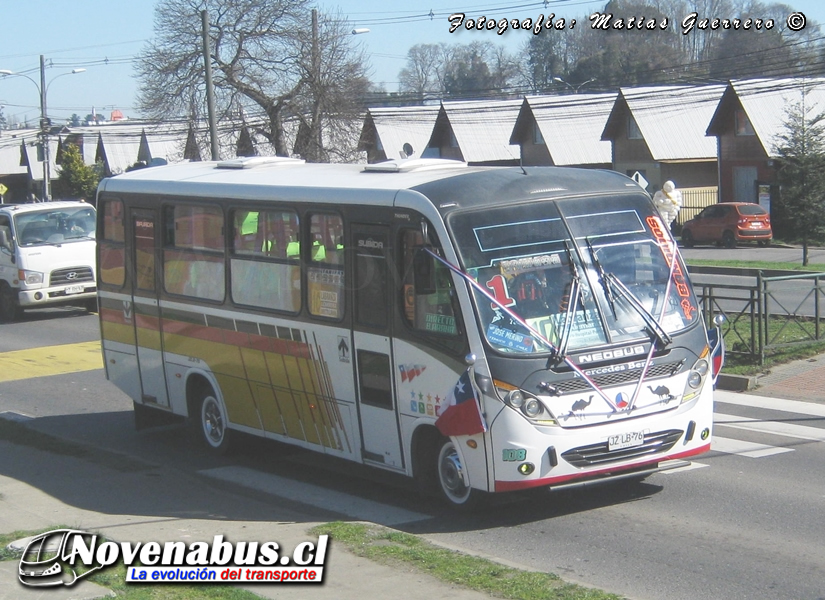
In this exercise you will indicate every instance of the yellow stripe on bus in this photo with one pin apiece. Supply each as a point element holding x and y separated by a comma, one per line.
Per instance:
<point>50,360</point>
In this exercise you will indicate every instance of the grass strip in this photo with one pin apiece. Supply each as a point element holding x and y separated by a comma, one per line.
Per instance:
<point>395,548</point>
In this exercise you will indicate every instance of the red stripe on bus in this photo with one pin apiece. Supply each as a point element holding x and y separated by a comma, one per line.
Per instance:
<point>147,322</point>
<point>512,486</point>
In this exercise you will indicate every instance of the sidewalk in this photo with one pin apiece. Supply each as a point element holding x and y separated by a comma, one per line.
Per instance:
<point>40,490</point>
<point>798,380</point>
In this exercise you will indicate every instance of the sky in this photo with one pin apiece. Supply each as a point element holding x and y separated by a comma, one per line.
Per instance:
<point>104,37</point>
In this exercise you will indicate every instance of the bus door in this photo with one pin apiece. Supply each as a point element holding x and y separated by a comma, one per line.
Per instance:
<point>372,300</point>
<point>145,308</point>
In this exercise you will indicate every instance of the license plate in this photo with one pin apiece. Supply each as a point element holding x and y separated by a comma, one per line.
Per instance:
<point>74,289</point>
<point>626,440</point>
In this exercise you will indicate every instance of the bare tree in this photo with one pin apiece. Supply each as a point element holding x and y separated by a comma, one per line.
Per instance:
<point>425,70</point>
<point>260,52</point>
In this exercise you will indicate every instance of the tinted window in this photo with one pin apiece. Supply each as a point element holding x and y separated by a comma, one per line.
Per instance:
<point>751,209</point>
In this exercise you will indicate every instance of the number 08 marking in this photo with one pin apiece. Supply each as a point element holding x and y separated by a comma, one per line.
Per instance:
<point>513,454</point>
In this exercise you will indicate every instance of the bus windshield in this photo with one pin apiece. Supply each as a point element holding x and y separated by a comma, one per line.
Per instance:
<point>582,272</point>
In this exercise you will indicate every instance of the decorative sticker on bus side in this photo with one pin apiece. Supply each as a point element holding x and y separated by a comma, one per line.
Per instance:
<point>679,279</point>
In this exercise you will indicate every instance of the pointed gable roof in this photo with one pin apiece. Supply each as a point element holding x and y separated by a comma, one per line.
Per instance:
<point>482,128</point>
<point>571,126</point>
<point>765,102</point>
<point>672,119</point>
<point>393,127</point>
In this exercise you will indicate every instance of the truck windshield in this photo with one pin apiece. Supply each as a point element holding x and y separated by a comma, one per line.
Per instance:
<point>55,226</point>
<point>578,272</point>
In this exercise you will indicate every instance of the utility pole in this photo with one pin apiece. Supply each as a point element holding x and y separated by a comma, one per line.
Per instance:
<point>317,138</point>
<point>44,132</point>
<point>210,90</point>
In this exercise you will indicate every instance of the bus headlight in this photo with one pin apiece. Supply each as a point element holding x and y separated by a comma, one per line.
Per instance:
<point>696,378</point>
<point>515,399</point>
<point>531,408</point>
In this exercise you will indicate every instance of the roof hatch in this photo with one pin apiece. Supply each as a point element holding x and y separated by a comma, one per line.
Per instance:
<point>407,165</point>
<point>257,161</point>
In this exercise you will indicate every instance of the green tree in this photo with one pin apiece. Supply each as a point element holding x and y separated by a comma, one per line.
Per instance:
<point>3,123</point>
<point>76,178</point>
<point>800,150</point>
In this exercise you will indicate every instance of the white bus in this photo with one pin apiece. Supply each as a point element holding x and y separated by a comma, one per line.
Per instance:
<point>479,329</point>
<point>47,256</point>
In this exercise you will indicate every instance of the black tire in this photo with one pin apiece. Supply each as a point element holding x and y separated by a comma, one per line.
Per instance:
<point>451,482</point>
<point>728,239</point>
<point>90,305</point>
<point>210,422</point>
<point>10,310</point>
<point>687,239</point>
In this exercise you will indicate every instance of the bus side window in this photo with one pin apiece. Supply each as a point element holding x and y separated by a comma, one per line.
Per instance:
<point>264,272</point>
<point>193,263</point>
<point>325,275</point>
<point>112,267</point>
<point>431,312</point>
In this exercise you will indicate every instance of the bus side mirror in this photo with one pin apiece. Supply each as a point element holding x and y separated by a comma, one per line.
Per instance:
<point>423,273</point>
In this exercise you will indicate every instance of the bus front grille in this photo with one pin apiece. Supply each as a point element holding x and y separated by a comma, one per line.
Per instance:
<point>71,275</point>
<point>577,384</point>
<point>598,454</point>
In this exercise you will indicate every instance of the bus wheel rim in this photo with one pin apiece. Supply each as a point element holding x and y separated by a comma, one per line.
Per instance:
<point>213,423</point>
<point>451,474</point>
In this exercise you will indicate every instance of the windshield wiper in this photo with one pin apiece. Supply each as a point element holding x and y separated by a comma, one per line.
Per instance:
<point>608,290</point>
<point>651,321</point>
<point>613,286</point>
<point>573,300</point>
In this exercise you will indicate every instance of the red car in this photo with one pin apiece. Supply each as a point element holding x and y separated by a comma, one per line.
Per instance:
<point>728,223</point>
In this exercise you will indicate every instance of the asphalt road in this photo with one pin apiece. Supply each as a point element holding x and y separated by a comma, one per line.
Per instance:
<point>744,521</point>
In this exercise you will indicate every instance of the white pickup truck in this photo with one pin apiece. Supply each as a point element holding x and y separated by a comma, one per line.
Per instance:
<point>47,256</point>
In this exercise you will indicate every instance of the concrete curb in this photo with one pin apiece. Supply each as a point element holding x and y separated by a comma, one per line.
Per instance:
<point>736,383</point>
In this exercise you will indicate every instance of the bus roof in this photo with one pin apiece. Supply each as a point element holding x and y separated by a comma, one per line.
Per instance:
<point>449,184</point>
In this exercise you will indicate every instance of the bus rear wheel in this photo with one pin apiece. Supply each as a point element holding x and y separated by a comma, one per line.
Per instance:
<point>451,481</point>
<point>212,423</point>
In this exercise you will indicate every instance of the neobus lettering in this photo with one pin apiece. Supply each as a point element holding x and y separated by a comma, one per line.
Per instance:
<point>608,354</point>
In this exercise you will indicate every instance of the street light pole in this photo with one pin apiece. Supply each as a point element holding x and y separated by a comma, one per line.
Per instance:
<point>575,89</point>
<point>42,89</point>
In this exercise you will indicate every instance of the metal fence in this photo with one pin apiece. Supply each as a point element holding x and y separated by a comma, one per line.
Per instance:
<point>764,310</point>
<point>694,200</point>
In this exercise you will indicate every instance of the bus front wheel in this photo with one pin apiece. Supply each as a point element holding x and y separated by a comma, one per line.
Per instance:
<point>212,423</point>
<point>450,473</point>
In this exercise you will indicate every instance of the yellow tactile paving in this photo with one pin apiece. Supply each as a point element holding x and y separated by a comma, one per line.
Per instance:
<point>50,360</point>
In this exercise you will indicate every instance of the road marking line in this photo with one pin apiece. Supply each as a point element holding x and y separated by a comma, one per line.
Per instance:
<point>50,360</point>
<point>690,467</point>
<point>802,432</point>
<point>314,495</point>
<point>795,406</point>
<point>743,448</point>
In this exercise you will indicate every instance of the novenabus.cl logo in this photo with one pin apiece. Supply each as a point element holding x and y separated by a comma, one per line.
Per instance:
<point>49,559</point>
<point>62,556</point>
